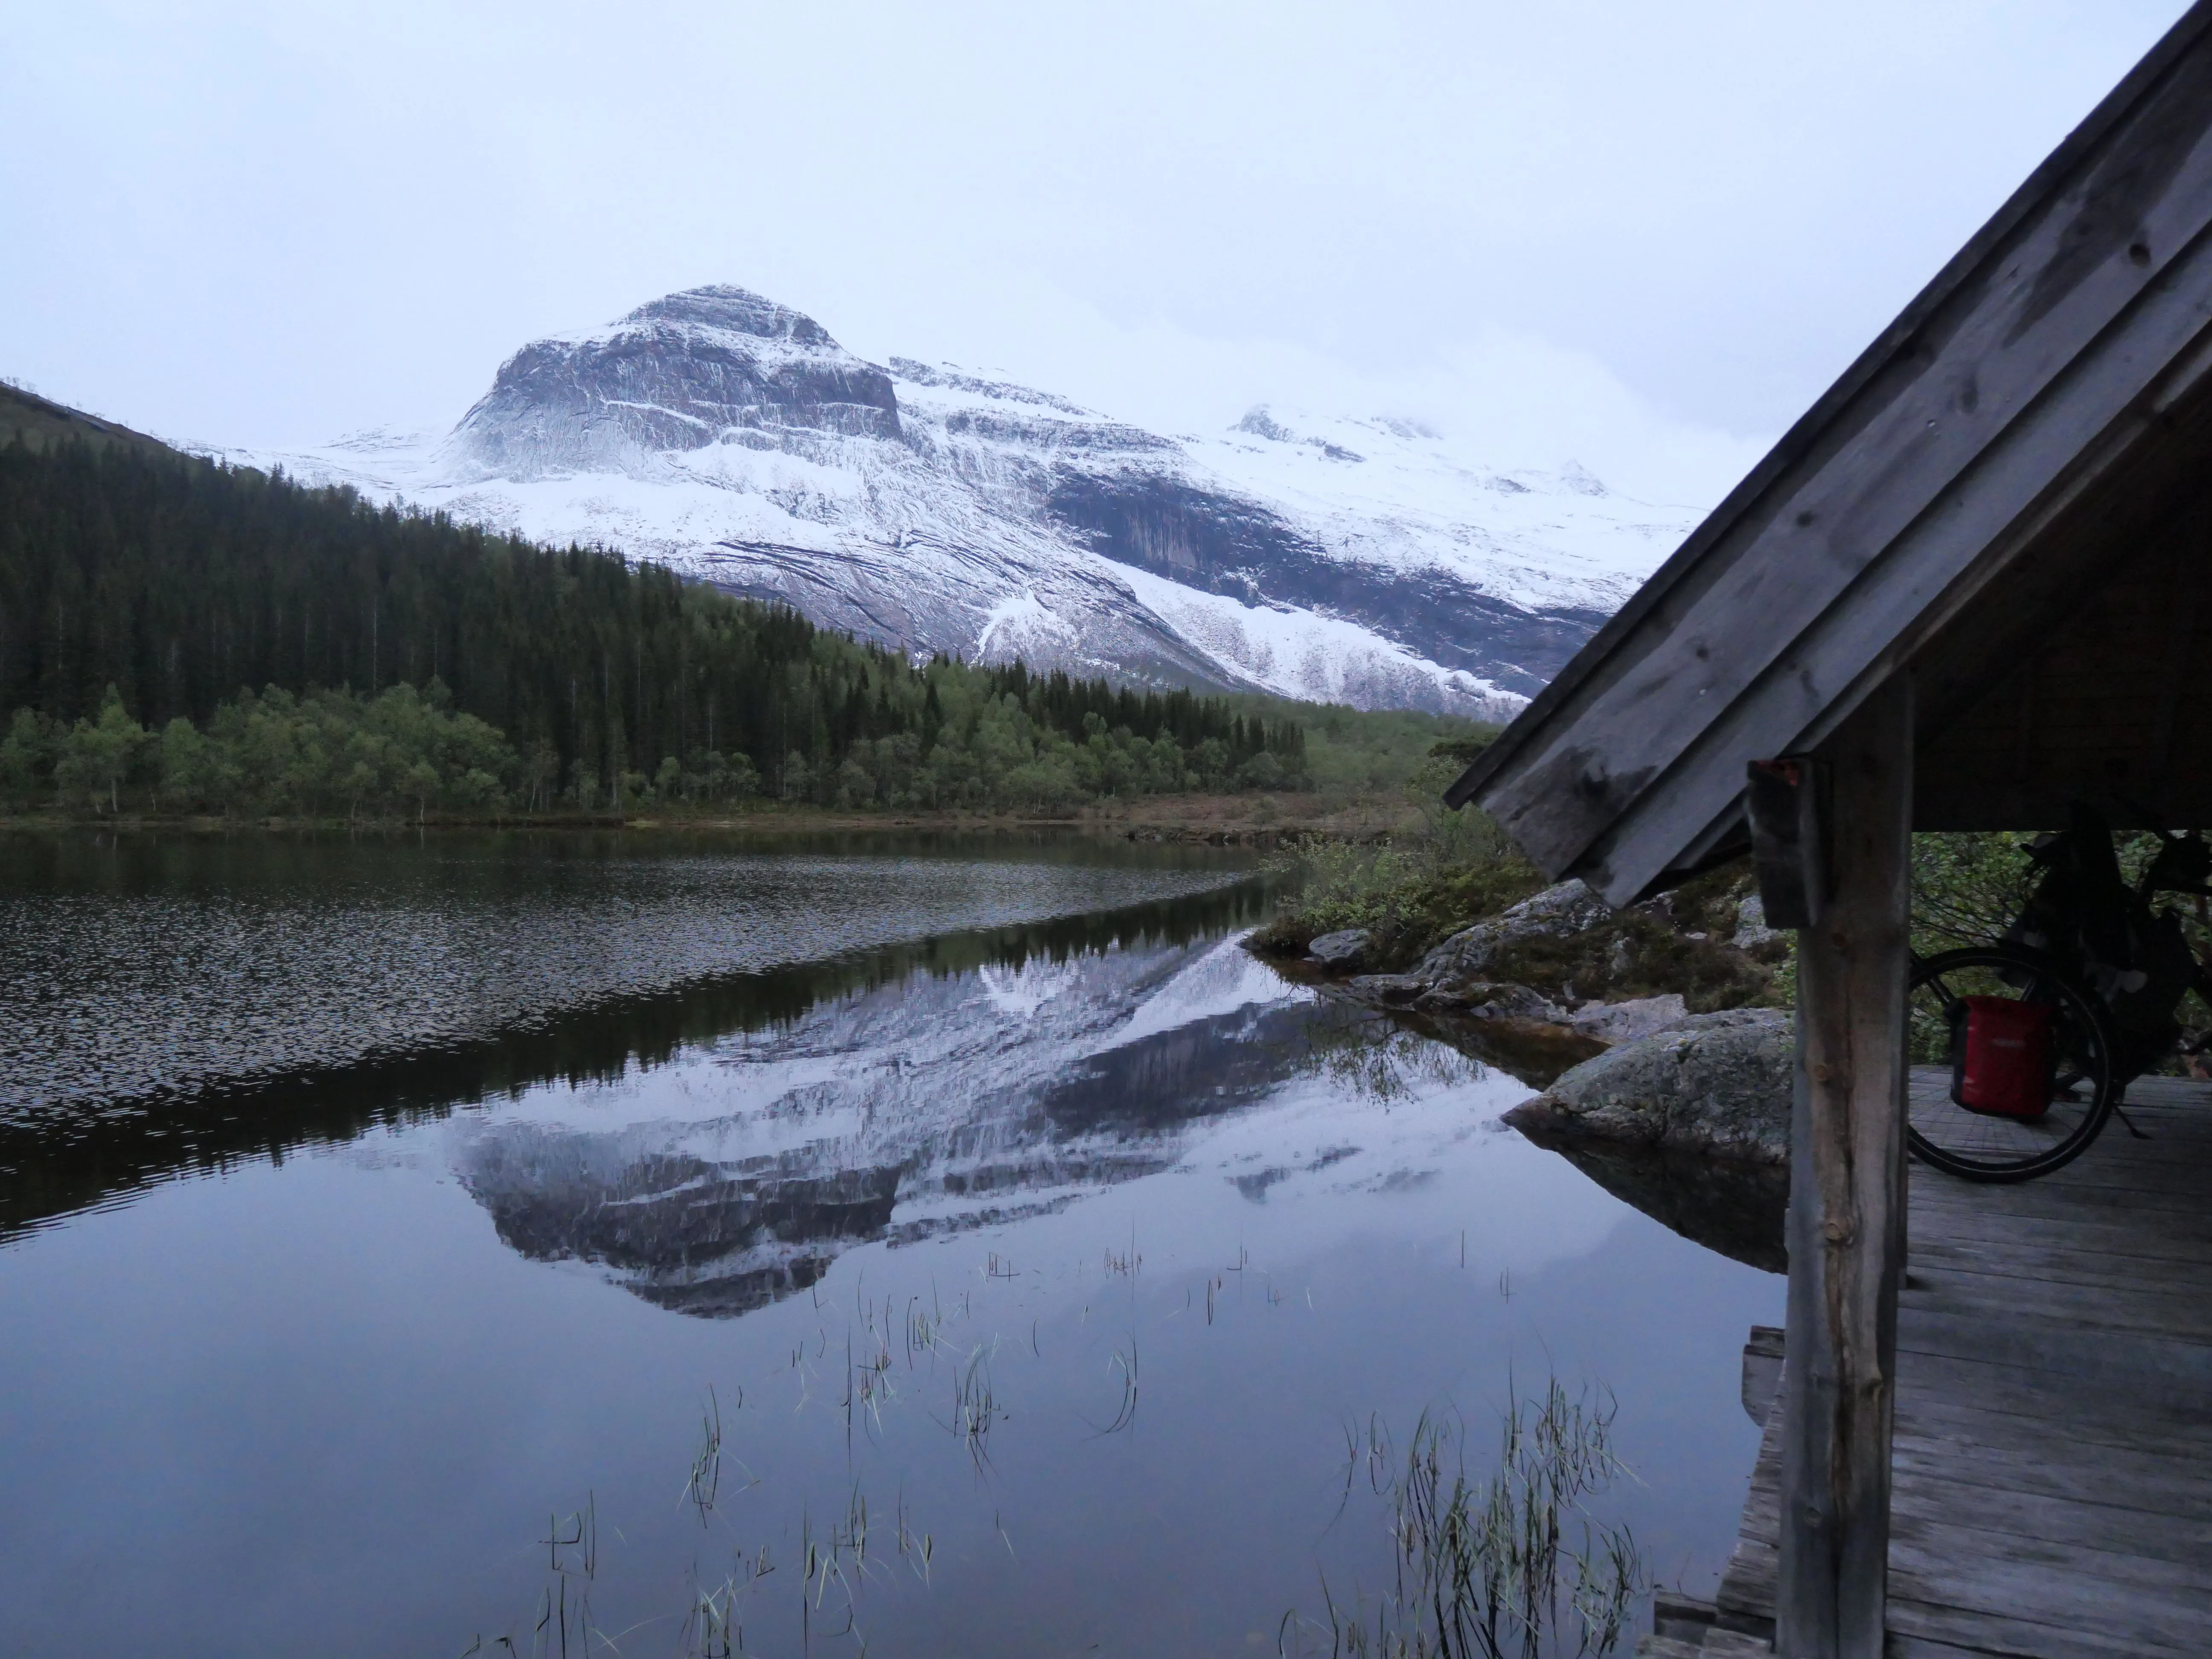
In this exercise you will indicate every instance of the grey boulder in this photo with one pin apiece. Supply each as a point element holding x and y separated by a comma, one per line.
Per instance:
<point>1343,949</point>
<point>1624,1022</point>
<point>1713,1084</point>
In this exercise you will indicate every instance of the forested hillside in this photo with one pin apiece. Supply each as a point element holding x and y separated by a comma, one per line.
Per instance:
<point>182,634</point>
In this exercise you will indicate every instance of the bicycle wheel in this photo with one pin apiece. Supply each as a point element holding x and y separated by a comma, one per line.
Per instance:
<point>1986,1146</point>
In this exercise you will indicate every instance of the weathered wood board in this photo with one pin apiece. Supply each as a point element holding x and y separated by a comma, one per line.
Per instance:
<point>2052,1478</point>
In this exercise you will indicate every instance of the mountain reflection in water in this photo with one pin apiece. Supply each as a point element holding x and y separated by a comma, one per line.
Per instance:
<point>91,1010</point>
<point>930,1105</point>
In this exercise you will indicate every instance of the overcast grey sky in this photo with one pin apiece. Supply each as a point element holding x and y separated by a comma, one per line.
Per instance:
<point>1645,234</point>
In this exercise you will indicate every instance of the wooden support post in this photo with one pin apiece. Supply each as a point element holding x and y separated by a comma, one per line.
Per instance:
<point>1846,1229</point>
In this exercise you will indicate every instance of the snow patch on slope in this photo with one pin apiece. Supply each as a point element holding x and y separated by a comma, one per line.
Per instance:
<point>1300,653</point>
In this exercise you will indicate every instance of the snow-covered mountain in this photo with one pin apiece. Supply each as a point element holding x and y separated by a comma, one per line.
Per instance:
<point>1348,560</point>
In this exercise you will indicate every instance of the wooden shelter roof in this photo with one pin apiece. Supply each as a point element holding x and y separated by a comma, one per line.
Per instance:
<point>2010,493</point>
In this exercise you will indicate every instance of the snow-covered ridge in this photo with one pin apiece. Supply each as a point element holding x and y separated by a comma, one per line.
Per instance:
<point>934,508</point>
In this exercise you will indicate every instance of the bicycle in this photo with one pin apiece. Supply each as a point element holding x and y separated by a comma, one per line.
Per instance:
<point>2019,1052</point>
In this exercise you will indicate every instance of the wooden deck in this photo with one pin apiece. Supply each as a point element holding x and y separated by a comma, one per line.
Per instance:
<point>2053,1465</point>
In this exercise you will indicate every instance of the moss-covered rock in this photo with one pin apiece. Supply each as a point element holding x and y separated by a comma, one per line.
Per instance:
<point>1717,1083</point>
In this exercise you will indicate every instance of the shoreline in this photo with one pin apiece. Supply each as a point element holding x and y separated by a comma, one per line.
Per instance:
<point>1215,820</point>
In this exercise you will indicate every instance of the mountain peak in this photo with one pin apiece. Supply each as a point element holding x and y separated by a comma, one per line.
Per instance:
<point>739,310</point>
<point>709,366</point>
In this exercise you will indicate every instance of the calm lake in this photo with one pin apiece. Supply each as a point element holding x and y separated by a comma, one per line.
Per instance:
<point>927,1248</point>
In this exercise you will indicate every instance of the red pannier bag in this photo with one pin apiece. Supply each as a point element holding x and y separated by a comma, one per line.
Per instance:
<point>2002,1057</point>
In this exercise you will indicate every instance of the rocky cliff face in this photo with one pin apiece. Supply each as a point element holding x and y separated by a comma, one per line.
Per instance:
<point>932,509</point>
<point>678,373</point>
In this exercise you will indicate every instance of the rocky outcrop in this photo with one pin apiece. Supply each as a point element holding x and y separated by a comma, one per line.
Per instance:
<point>711,365</point>
<point>1752,932</point>
<point>1566,959</point>
<point>1450,978</point>
<point>1716,1085</point>
<point>1570,907</point>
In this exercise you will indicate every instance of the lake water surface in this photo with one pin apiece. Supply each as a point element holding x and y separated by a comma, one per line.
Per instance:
<point>383,1228</point>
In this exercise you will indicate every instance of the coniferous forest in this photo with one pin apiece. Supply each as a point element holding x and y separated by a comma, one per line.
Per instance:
<point>179,635</point>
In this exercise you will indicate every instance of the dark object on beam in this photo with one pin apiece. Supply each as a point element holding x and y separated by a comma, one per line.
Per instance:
<point>1781,799</point>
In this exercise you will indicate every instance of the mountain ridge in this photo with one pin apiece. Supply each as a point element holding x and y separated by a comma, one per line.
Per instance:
<point>931,508</point>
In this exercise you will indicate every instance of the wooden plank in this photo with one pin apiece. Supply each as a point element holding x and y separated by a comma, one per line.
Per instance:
<point>2153,1278</point>
<point>1762,1372</point>
<point>1999,1633</point>
<point>1745,1598</point>
<point>2032,1606</point>
<point>2061,1203</point>
<point>2019,1609</point>
<point>2119,1239</point>
<point>1956,1426</point>
<point>1946,1388</point>
<point>1746,1591</point>
<point>1933,1542</point>
<point>1999,1256</point>
<point>1999,1333</point>
<point>2043,1519</point>
<point>2111,1480</point>
<point>2117,1156</point>
<point>2179,1094</point>
<point>1731,1644</point>
<point>2169,1312</point>
<point>2153,1213</point>
<point>1921,1647</point>
<point>1847,1200</point>
<point>1676,1613</point>
<point>2064,1587</point>
<point>2124,1170</point>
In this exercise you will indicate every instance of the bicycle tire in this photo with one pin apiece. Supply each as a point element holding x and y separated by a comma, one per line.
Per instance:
<point>1976,1146</point>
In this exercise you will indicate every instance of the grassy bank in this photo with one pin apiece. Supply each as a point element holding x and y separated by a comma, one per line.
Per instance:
<point>1260,820</point>
<point>1421,874</point>
<point>1438,871</point>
